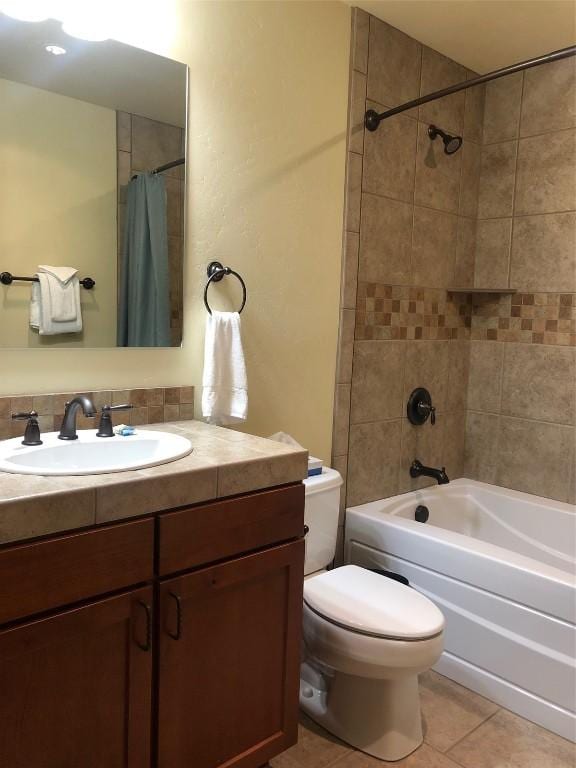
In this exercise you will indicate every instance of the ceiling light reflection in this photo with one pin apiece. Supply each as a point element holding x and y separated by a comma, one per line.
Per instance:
<point>55,50</point>
<point>25,10</point>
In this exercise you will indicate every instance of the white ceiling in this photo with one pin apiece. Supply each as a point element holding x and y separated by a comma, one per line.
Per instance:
<point>108,73</point>
<point>482,34</point>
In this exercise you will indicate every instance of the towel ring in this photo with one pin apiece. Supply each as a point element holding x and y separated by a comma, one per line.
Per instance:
<point>216,272</point>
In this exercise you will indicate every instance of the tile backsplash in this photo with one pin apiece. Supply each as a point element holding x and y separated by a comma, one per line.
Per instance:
<point>154,405</point>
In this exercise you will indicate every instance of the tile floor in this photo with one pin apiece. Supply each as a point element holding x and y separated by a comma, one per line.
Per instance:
<point>461,730</point>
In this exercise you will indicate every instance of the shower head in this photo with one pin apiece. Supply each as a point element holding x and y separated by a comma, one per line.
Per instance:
<point>451,143</point>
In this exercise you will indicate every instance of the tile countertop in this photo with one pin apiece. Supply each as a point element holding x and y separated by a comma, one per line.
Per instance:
<point>223,463</point>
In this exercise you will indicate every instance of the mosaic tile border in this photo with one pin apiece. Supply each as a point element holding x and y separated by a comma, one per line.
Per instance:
<point>155,405</point>
<point>532,318</point>
<point>409,312</point>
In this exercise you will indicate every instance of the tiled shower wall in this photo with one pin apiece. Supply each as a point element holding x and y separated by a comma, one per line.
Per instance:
<point>410,234</point>
<point>521,429</point>
<point>143,145</point>
<point>418,222</point>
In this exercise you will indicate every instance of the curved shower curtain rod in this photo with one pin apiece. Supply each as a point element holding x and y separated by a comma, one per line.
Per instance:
<point>372,118</point>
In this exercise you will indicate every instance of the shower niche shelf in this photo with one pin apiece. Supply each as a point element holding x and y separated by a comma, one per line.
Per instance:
<point>482,290</point>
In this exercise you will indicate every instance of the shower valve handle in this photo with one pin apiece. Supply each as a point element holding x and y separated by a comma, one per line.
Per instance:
<point>428,408</point>
<point>419,408</point>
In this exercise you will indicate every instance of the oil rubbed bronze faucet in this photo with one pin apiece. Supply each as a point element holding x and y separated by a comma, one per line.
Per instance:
<point>417,469</point>
<point>68,428</point>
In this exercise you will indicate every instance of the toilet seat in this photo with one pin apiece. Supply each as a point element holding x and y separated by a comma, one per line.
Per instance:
<point>366,603</point>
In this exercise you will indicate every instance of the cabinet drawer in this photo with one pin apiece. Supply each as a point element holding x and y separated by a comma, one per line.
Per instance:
<point>43,575</point>
<point>211,532</point>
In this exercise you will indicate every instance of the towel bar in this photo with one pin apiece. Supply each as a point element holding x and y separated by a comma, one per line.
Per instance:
<point>7,278</point>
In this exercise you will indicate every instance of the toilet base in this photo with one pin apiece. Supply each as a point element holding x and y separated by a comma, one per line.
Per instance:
<point>379,717</point>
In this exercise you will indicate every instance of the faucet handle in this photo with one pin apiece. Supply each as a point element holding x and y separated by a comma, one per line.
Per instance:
<point>123,407</point>
<point>24,415</point>
<point>32,433</point>
<point>105,428</point>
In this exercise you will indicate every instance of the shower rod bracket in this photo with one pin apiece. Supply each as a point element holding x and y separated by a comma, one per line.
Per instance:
<point>372,119</point>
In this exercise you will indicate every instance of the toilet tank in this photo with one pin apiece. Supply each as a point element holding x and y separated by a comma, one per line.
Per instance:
<point>321,513</point>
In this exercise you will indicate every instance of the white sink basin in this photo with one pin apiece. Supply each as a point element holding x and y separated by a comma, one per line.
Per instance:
<point>91,455</point>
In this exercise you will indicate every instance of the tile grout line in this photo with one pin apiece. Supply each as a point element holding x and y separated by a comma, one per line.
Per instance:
<point>414,204</point>
<point>515,187</point>
<point>350,751</point>
<point>511,216</point>
<point>445,754</point>
<point>520,136</point>
<point>459,741</point>
<point>349,425</point>
<point>344,277</point>
<point>520,418</point>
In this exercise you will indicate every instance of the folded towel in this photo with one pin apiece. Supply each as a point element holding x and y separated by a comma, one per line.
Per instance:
<point>224,382</point>
<point>55,301</point>
<point>64,274</point>
<point>35,306</point>
<point>64,292</point>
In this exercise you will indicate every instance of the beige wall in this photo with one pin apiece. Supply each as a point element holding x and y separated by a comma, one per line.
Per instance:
<point>522,392</point>
<point>268,103</point>
<point>57,206</point>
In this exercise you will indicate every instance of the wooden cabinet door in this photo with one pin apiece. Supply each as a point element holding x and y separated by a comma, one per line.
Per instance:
<point>75,688</point>
<point>229,659</point>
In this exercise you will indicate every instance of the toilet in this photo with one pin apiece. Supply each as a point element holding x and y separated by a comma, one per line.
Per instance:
<point>366,638</point>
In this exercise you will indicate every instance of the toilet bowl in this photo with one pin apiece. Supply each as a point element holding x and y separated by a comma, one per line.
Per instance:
<point>365,640</point>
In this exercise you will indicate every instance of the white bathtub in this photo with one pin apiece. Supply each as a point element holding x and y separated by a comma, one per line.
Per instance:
<point>501,566</point>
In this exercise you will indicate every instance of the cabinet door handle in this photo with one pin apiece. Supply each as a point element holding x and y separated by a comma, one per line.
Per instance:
<point>178,634</point>
<point>146,646</point>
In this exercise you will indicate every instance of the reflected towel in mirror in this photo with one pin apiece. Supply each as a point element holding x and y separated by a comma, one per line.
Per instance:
<point>55,301</point>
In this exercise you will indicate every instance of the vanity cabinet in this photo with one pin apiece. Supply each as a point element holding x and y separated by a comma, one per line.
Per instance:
<point>229,657</point>
<point>166,642</point>
<point>76,687</point>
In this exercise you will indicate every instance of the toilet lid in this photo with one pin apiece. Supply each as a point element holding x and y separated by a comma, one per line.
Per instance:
<point>371,604</point>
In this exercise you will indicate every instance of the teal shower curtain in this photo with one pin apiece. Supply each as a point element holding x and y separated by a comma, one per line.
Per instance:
<point>144,299</point>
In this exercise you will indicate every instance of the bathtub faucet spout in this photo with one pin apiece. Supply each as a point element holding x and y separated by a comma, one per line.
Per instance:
<point>417,469</point>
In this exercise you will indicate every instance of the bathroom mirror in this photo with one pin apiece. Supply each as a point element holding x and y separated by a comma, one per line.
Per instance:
<point>92,159</point>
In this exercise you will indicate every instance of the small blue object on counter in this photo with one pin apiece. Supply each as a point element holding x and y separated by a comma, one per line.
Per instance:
<point>124,430</point>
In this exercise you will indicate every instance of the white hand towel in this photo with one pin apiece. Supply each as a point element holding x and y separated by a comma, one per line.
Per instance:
<point>224,382</point>
<point>55,301</point>
<point>64,292</point>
